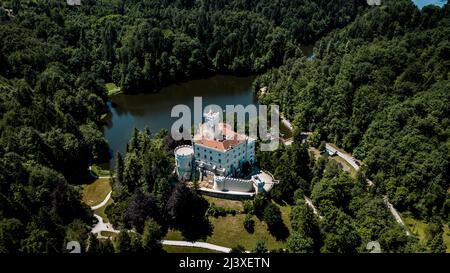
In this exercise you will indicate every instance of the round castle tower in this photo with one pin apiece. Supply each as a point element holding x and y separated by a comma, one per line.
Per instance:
<point>184,157</point>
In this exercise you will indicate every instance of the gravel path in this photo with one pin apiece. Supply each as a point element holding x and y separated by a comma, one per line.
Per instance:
<point>103,202</point>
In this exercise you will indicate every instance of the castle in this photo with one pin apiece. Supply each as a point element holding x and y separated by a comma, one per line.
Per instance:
<point>218,150</point>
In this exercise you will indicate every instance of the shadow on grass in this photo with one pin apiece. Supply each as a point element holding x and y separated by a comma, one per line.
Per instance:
<point>279,231</point>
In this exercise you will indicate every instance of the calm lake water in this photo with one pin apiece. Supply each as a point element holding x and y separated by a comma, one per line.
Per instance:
<point>153,110</point>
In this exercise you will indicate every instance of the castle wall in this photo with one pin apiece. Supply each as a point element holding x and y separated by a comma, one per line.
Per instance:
<point>222,183</point>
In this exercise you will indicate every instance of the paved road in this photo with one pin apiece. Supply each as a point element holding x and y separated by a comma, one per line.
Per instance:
<point>353,162</point>
<point>102,226</point>
<point>347,157</point>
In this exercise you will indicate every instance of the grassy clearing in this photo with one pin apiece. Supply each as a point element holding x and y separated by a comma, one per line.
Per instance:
<point>99,171</point>
<point>417,228</point>
<point>314,152</point>
<point>229,231</point>
<point>101,211</point>
<point>182,249</point>
<point>96,192</point>
<point>112,89</point>
<point>229,204</point>
<point>108,234</point>
<point>345,166</point>
<point>447,237</point>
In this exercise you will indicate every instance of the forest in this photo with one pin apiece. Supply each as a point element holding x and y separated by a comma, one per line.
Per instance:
<point>379,88</point>
<point>377,85</point>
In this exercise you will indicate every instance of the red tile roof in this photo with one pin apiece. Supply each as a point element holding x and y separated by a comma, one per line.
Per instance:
<point>229,140</point>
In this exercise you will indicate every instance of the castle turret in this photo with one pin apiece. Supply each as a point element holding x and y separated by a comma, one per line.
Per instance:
<point>184,157</point>
<point>212,130</point>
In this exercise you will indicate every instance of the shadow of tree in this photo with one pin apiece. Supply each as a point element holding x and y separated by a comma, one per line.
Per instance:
<point>279,231</point>
<point>197,231</point>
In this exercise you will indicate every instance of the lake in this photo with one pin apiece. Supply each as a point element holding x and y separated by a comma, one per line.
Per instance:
<point>153,110</point>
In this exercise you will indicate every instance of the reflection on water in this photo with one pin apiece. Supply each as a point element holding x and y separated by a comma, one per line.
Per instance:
<point>153,110</point>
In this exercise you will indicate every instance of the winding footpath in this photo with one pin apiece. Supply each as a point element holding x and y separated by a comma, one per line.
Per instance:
<point>102,226</point>
<point>103,202</point>
<point>196,244</point>
<point>311,205</point>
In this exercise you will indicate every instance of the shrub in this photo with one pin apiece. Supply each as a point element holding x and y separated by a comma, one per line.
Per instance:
<point>249,223</point>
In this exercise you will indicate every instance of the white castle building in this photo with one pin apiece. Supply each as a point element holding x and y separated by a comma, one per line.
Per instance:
<point>216,148</point>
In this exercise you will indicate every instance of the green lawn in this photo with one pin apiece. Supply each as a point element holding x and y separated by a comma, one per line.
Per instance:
<point>229,204</point>
<point>101,211</point>
<point>108,234</point>
<point>345,166</point>
<point>99,171</point>
<point>229,232</point>
<point>112,88</point>
<point>96,192</point>
<point>447,237</point>
<point>182,249</point>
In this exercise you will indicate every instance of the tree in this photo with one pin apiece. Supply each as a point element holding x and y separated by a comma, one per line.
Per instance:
<point>93,245</point>
<point>340,234</point>
<point>77,231</point>
<point>299,243</point>
<point>305,222</point>
<point>119,167</point>
<point>272,216</point>
<point>260,247</point>
<point>140,208</point>
<point>39,241</point>
<point>260,203</point>
<point>186,210</point>
<point>11,234</point>
<point>106,246</point>
<point>395,240</point>
<point>434,237</point>
<point>123,242</point>
<point>151,237</point>
<point>275,224</point>
<point>249,223</point>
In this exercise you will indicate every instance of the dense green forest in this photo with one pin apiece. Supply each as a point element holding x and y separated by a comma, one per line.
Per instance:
<point>380,88</point>
<point>55,60</point>
<point>149,44</point>
<point>377,85</point>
